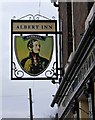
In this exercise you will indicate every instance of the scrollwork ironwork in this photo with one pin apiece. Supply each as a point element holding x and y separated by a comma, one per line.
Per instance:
<point>37,16</point>
<point>34,17</point>
<point>17,73</point>
<point>52,72</point>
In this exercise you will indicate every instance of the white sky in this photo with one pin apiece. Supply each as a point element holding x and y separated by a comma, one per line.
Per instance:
<point>14,94</point>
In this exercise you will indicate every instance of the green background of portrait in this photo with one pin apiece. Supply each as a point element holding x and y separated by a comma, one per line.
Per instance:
<point>22,51</point>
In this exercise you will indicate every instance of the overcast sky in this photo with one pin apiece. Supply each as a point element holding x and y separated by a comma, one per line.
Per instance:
<point>14,94</point>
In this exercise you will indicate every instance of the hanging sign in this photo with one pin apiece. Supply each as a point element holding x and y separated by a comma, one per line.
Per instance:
<point>33,49</point>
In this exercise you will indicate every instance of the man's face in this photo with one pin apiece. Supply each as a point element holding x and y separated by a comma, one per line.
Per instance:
<point>36,47</point>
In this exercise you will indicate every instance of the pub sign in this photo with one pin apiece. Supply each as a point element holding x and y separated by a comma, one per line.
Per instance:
<point>33,49</point>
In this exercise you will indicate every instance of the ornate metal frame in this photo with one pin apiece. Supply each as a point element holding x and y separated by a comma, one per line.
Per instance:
<point>49,74</point>
<point>34,17</point>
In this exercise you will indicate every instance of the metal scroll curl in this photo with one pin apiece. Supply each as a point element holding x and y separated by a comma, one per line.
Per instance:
<point>51,73</point>
<point>17,73</point>
<point>34,17</point>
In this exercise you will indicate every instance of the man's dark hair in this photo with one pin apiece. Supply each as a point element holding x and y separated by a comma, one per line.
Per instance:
<point>30,43</point>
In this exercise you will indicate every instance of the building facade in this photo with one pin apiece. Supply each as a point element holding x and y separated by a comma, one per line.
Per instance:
<point>75,96</point>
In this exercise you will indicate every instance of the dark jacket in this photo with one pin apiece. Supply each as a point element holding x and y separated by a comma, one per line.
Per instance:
<point>32,67</point>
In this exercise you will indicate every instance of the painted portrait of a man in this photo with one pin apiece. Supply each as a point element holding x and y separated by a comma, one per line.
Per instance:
<point>34,63</point>
<point>34,55</point>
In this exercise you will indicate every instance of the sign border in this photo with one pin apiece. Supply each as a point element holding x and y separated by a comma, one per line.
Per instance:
<point>37,32</point>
